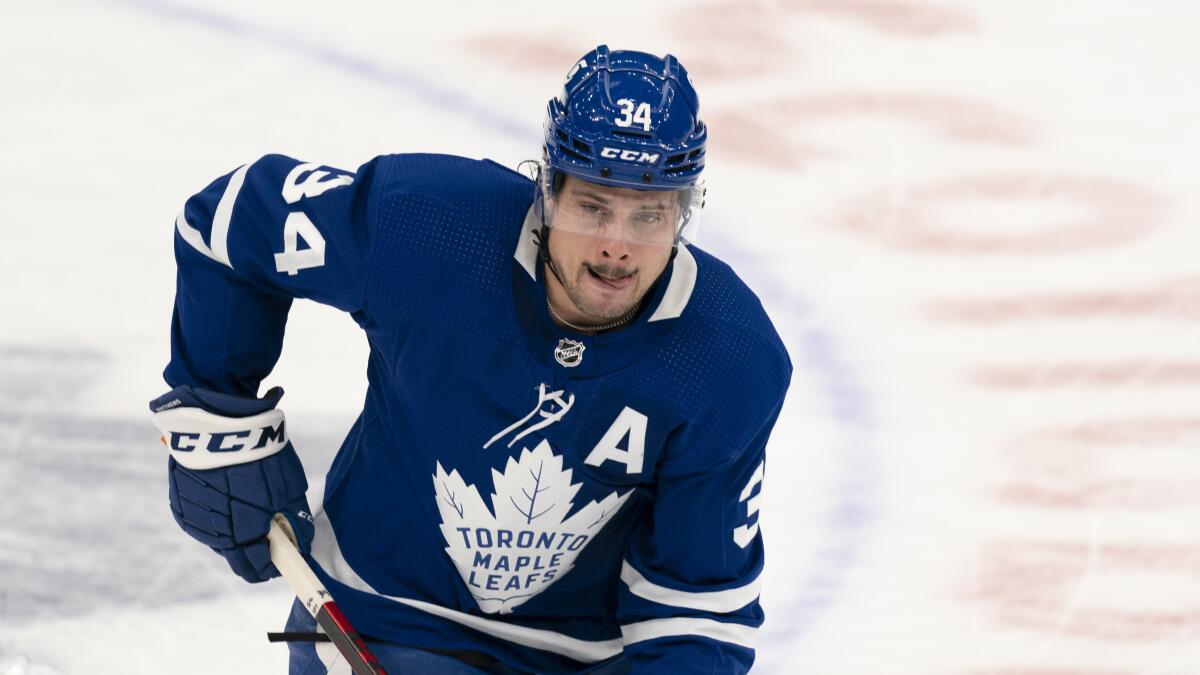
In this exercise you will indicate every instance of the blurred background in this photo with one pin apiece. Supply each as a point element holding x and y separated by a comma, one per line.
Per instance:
<point>975,224</point>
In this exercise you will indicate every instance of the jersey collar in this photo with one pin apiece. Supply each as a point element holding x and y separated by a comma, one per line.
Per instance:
<point>607,352</point>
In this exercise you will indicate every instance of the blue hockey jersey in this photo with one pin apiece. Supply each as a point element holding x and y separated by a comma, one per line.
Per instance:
<point>556,500</point>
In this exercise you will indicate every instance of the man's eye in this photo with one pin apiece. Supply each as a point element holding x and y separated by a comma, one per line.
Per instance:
<point>649,217</point>
<point>590,208</point>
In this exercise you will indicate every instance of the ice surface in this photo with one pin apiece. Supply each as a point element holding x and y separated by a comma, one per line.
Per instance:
<point>974,223</point>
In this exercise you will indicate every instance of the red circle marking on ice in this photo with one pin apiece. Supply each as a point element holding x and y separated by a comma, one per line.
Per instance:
<point>779,133</point>
<point>1103,464</point>
<point>907,218</point>
<point>1031,584</point>
<point>1177,298</point>
<point>1111,373</point>
<point>904,18</point>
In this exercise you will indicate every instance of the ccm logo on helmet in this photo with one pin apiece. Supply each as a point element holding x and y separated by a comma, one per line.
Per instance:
<point>230,441</point>
<point>629,155</point>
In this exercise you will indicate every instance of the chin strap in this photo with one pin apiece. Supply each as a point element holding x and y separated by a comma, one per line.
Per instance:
<point>542,239</point>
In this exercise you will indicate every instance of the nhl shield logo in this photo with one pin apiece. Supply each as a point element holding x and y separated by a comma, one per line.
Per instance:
<point>569,353</point>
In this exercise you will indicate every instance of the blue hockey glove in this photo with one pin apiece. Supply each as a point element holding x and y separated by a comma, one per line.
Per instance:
<point>231,469</point>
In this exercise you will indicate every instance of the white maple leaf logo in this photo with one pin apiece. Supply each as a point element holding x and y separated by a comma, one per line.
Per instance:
<point>515,550</point>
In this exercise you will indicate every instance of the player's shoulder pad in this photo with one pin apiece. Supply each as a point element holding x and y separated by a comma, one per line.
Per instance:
<point>723,364</point>
<point>452,178</point>
<point>443,215</point>
<point>726,310</point>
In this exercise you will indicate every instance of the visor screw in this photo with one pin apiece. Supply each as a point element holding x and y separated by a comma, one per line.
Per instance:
<point>604,172</point>
<point>646,177</point>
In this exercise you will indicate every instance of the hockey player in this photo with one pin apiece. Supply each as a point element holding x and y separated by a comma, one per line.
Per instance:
<point>558,463</point>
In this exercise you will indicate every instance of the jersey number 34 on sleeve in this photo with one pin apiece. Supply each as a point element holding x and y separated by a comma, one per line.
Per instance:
<point>298,225</point>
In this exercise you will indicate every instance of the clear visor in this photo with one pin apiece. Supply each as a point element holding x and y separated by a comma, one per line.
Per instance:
<point>640,217</point>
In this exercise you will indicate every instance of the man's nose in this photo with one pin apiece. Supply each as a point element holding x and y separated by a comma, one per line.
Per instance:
<point>616,249</point>
<point>613,242</point>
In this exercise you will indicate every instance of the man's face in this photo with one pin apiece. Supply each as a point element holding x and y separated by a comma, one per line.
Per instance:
<point>609,244</point>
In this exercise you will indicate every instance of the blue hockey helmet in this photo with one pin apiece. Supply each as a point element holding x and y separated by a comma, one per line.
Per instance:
<point>627,119</point>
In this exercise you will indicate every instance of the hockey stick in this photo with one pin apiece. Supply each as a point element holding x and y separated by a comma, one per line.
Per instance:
<point>318,602</point>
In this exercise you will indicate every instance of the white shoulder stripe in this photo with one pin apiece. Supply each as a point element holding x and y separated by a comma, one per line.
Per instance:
<point>192,236</point>
<point>327,554</point>
<point>219,237</point>
<point>720,602</point>
<point>527,249</point>
<point>679,290</point>
<point>733,633</point>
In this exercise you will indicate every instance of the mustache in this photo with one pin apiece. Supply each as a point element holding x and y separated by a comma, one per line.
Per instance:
<point>610,271</point>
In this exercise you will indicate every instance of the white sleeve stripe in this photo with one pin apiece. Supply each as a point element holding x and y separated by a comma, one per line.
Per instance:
<point>192,236</point>
<point>219,237</point>
<point>720,602</point>
<point>733,633</point>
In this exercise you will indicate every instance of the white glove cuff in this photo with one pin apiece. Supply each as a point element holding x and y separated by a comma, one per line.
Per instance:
<point>200,440</point>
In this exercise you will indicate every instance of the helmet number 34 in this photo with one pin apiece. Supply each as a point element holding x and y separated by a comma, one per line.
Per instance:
<point>633,113</point>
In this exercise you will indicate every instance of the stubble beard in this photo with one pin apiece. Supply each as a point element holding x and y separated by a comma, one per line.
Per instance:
<point>594,311</point>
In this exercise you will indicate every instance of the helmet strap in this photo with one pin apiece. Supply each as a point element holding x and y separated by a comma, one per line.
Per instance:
<point>542,238</point>
<point>547,181</point>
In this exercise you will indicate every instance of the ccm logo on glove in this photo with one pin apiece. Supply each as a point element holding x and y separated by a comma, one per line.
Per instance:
<point>199,439</point>
<point>184,441</point>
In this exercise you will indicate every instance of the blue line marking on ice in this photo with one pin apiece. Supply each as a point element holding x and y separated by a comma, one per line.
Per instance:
<point>852,508</point>
<point>388,76</point>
